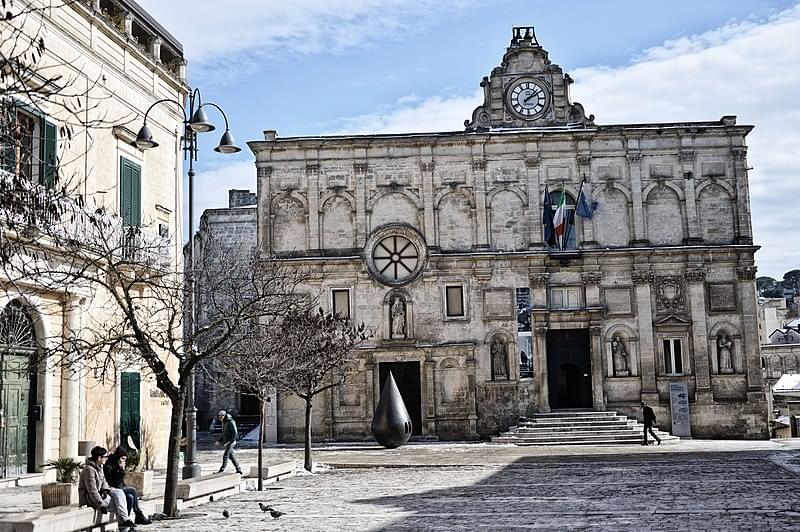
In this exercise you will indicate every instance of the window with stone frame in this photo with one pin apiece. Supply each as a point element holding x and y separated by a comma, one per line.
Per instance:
<point>565,297</point>
<point>673,356</point>
<point>340,302</point>
<point>29,143</point>
<point>454,301</point>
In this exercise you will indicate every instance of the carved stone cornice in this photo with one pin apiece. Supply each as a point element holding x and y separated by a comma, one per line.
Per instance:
<point>589,278</point>
<point>746,273</point>
<point>360,168</point>
<point>695,275</point>
<point>634,156</point>
<point>642,277</point>
<point>479,164</point>
<point>539,280</point>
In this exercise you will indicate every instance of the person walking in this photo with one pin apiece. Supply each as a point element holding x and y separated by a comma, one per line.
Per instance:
<point>114,470</point>
<point>229,437</point>
<point>649,419</point>
<point>94,491</point>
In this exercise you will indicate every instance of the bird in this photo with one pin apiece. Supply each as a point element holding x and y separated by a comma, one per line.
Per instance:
<point>275,513</point>
<point>264,507</point>
<point>226,514</point>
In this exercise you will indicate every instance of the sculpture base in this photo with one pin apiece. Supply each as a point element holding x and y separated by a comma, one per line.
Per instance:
<point>622,373</point>
<point>726,371</point>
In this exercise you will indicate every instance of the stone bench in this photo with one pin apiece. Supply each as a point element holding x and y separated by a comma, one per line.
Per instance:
<point>194,491</point>
<point>59,519</point>
<point>274,471</point>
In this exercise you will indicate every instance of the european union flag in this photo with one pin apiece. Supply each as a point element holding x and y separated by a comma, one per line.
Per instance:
<point>582,209</point>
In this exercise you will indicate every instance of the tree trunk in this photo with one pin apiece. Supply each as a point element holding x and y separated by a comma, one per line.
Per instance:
<point>307,463</point>
<point>173,456</point>
<point>262,423</point>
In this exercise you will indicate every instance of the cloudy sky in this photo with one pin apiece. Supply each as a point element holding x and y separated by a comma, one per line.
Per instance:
<point>310,67</point>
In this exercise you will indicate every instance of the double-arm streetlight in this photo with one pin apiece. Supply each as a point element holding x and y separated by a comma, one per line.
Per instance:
<point>197,122</point>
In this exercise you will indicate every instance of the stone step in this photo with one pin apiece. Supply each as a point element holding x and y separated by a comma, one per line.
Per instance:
<point>569,432</point>
<point>587,423</point>
<point>571,414</point>
<point>638,441</point>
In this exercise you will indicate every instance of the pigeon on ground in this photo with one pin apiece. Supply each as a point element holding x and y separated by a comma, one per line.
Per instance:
<point>210,498</point>
<point>264,507</point>
<point>226,514</point>
<point>274,513</point>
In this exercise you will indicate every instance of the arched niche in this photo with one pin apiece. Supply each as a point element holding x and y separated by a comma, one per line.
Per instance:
<point>394,207</point>
<point>451,381</point>
<point>630,343</point>
<point>337,224</point>
<point>664,216</point>
<point>289,224</point>
<point>508,221</point>
<point>716,341</point>
<point>611,220</point>
<point>499,346</point>
<point>389,312</point>
<point>715,214</point>
<point>455,223</point>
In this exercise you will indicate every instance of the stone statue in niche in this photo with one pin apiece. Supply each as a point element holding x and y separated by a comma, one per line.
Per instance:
<point>724,347</point>
<point>499,359</point>
<point>398,318</point>
<point>619,357</point>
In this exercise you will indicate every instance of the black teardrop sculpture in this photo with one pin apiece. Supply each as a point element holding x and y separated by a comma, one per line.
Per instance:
<point>391,424</point>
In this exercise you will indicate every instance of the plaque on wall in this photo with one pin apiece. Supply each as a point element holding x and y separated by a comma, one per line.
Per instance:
<point>618,301</point>
<point>498,304</point>
<point>721,297</point>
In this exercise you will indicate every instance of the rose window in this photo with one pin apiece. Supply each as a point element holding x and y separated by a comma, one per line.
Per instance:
<point>395,258</point>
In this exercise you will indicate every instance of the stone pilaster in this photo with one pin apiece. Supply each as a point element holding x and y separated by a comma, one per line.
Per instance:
<point>585,172</point>
<point>750,345</point>
<point>426,171</point>
<point>538,282</point>
<point>745,233</point>
<point>535,229</point>
<point>360,184</point>
<point>695,277</point>
<point>472,400</point>
<point>312,187</point>
<point>540,367</point>
<point>598,401</point>
<point>688,170</point>
<point>642,279</point>
<point>591,283</point>
<point>634,168</point>
<point>70,386</point>
<point>264,195</point>
<point>429,413</point>
<point>479,180</point>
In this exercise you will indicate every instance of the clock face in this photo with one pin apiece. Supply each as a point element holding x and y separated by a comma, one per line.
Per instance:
<point>527,98</point>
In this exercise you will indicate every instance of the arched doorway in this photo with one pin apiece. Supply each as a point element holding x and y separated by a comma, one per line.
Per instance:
<point>18,346</point>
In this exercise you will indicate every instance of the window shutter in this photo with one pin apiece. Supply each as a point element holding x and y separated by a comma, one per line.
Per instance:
<point>136,195</point>
<point>130,185</point>
<point>9,124</point>
<point>47,153</point>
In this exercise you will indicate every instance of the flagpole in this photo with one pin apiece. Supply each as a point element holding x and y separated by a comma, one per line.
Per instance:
<point>566,225</point>
<point>577,199</point>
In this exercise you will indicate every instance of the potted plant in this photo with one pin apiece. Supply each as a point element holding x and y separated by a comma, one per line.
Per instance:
<point>139,469</point>
<point>64,491</point>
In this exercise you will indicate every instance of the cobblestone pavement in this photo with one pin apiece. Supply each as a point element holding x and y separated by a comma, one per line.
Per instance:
<point>747,490</point>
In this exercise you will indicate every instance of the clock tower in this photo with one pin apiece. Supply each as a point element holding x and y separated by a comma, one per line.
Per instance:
<point>526,90</point>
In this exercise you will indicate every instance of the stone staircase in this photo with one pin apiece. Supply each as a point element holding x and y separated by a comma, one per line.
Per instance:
<point>578,427</point>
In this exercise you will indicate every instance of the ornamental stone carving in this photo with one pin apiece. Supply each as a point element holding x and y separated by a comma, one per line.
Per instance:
<point>686,156</point>
<point>696,275</point>
<point>746,273</point>
<point>634,157</point>
<point>642,277</point>
<point>264,171</point>
<point>479,164</point>
<point>360,168</point>
<point>532,162</point>
<point>591,277</point>
<point>539,280</point>
<point>499,358</point>
<point>619,357</point>
<point>398,318</point>
<point>426,166</point>
<point>670,296</point>
<point>739,154</point>
<point>724,350</point>
<point>540,330</point>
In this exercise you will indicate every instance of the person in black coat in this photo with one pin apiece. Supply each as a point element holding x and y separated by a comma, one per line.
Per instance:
<point>115,476</point>
<point>649,419</point>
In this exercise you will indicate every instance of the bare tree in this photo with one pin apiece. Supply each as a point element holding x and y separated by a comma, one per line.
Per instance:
<point>139,301</point>
<point>316,349</point>
<point>252,369</point>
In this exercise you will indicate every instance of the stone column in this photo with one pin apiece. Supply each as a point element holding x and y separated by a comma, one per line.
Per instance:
<point>429,402</point>
<point>598,399</point>
<point>426,171</point>
<point>687,158</point>
<point>540,367</point>
<point>264,198</point>
<point>751,356</point>
<point>70,386</point>
<point>312,188</point>
<point>696,277</point>
<point>745,234</point>
<point>634,160</point>
<point>642,279</point>
<point>481,221</point>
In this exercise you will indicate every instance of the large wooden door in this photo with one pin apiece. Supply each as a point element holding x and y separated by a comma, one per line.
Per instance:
<point>15,406</point>
<point>569,372</point>
<point>130,417</point>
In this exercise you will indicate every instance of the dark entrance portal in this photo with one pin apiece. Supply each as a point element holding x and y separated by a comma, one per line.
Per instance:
<point>569,373</point>
<point>406,375</point>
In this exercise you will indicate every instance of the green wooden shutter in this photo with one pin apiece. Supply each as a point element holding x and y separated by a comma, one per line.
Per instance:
<point>9,153</point>
<point>47,153</point>
<point>130,184</point>
<point>130,416</point>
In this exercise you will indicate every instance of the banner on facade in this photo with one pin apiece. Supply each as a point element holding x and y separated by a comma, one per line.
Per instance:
<point>524,341</point>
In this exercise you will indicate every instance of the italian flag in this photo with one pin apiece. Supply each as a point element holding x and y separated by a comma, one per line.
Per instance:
<point>560,219</point>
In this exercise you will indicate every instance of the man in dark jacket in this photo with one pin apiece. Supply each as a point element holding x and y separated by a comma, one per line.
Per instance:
<point>115,476</point>
<point>649,419</point>
<point>94,491</point>
<point>229,437</point>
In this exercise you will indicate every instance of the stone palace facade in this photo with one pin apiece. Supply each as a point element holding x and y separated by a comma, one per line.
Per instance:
<point>435,241</point>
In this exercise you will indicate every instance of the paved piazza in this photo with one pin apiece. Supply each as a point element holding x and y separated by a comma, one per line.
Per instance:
<point>672,490</point>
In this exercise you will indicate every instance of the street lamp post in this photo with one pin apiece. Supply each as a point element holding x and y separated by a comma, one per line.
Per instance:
<point>194,122</point>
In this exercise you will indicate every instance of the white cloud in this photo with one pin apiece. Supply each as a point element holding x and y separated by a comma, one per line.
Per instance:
<point>224,41</point>
<point>211,186</point>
